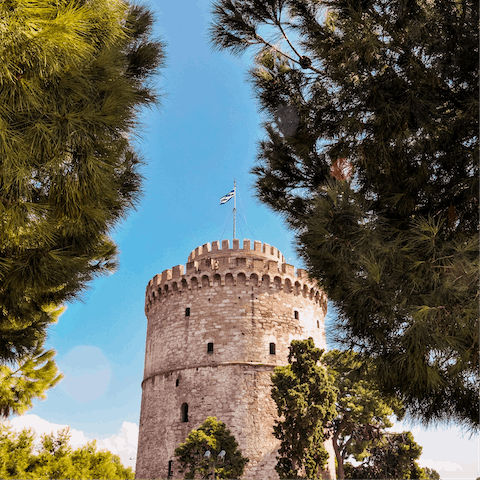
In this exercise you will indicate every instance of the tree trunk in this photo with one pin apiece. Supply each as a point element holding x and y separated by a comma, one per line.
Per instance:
<point>338,455</point>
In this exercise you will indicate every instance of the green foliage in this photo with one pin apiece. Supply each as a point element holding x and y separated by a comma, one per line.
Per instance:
<point>15,453</point>
<point>370,154</point>
<point>56,459</point>
<point>73,75</point>
<point>33,375</point>
<point>431,474</point>
<point>363,412</point>
<point>305,398</point>
<point>394,457</point>
<point>213,436</point>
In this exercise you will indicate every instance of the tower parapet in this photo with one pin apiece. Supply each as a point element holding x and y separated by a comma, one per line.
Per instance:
<point>217,327</point>
<point>258,250</point>
<point>263,266</point>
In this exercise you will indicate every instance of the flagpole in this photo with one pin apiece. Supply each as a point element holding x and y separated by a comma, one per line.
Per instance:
<point>234,207</point>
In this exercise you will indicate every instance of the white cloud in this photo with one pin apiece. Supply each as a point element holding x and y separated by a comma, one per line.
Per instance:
<point>42,427</point>
<point>453,470</point>
<point>123,443</point>
<point>441,465</point>
<point>447,449</point>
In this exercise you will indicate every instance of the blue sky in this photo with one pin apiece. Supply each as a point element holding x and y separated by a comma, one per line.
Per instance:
<point>202,137</point>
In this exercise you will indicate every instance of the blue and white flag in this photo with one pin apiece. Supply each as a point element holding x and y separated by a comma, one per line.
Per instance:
<point>227,197</point>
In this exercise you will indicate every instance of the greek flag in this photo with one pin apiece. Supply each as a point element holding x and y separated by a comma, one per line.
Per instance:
<point>227,197</point>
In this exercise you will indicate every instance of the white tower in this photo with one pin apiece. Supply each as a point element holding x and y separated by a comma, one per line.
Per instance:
<point>216,330</point>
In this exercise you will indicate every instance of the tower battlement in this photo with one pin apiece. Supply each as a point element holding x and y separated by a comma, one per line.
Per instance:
<point>259,250</point>
<point>263,266</point>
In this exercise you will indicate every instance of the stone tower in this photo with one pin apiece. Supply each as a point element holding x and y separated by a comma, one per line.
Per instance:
<point>216,330</point>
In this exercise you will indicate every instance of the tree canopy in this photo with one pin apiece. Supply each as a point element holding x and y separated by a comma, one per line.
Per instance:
<point>370,154</point>
<point>212,436</point>
<point>363,413</point>
<point>337,398</point>
<point>73,75</point>
<point>55,458</point>
<point>305,399</point>
<point>393,457</point>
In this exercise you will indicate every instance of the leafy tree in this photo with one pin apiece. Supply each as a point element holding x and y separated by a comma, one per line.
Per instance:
<point>363,412</point>
<point>73,75</point>
<point>370,155</point>
<point>56,459</point>
<point>394,457</point>
<point>305,398</point>
<point>15,452</point>
<point>211,436</point>
<point>431,473</point>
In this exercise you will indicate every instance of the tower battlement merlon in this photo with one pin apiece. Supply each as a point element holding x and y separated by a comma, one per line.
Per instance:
<point>214,250</point>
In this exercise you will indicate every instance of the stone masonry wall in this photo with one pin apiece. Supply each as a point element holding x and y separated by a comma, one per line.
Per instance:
<point>241,301</point>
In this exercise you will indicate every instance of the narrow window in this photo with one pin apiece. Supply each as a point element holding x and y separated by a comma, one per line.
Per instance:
<point>295,314</point>
<point>272,349</point>
<point>170,468</point>
<point>187,312</point>
<point>184,412</point>
<point>318,324</point>
<point>210,348</point>
<point>177,382</point>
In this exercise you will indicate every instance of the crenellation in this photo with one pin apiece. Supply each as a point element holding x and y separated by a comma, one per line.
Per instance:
<point>259,249</point>
<point>269,275</point>
<point>288,269</point>
<point>224,267</point>
<point>241,262</point>
<point>177,271</point>
<point>301,273</point>
<point>192,267</point>
<point>166,275</point>
<point>198,251</point>
<point>258,265</point>
<point>272,265</point>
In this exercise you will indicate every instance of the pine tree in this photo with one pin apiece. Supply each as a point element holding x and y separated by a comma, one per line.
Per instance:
<point>73,75</point>
<point>33,375</point>
<point>370,154</point>
<point>305,398</point>
<point>394,457</point>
